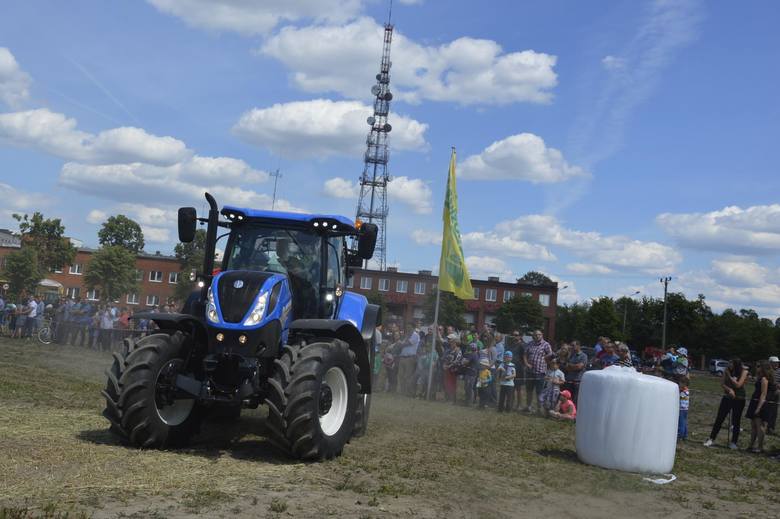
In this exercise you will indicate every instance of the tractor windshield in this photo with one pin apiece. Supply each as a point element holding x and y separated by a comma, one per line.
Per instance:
<point>294,253</point>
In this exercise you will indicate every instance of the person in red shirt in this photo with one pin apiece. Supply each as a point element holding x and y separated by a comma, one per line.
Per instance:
<point>565,410</point>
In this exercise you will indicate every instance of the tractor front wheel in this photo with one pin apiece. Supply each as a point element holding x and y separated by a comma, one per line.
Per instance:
<point>143,404</point>
<point>312,399</point>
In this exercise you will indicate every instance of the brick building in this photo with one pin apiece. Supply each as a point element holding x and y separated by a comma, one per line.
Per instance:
<point>405,294</point>
<point>157,276</point>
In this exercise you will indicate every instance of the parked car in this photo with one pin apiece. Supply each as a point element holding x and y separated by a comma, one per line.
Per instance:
<point>718,366</point>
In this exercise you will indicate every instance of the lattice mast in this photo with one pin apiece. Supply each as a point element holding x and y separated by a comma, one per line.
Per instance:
<point>372,205</point>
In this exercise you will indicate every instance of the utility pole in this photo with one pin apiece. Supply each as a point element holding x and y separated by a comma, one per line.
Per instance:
<point>665,281</point>
<point>276,176</point>
<point>625,313</point>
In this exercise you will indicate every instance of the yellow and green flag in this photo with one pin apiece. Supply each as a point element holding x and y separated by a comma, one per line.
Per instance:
<point>453,274</point>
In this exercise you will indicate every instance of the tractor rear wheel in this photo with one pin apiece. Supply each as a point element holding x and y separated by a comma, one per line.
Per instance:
<point>312,398</point>
<point>361,415</point>
<point>142,403</point>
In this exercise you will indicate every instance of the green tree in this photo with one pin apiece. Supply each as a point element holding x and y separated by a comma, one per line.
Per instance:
<point>45,236</point>
<point>121,231</point>
<point>603,319</point>
<point>536,278</point>
<point>572,322</point>
<point>521,313</point>
<point>22,271</point>
<point>451,309</point>
<point>190,256</point>
<point>112,271</point>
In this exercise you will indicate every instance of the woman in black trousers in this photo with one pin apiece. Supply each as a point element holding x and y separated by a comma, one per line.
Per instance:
<point>733,401</point>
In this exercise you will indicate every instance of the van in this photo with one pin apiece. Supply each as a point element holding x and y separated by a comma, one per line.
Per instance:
<point>718,366</point>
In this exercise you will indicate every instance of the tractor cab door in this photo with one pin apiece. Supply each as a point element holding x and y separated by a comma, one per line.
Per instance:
<point>334,274</point>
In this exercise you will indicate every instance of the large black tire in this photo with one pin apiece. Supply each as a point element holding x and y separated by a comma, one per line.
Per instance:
<point>361,415</point>
<point>301,420</point>
<point>132,404</point>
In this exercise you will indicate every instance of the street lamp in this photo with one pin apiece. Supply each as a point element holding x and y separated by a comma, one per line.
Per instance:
<point>625,312</point>
<point>665,281</point>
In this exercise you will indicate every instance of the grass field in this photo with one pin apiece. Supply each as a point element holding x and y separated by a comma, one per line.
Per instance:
<point>419,459</point>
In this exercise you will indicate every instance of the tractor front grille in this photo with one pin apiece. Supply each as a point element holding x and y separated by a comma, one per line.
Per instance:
<point>235,301</point>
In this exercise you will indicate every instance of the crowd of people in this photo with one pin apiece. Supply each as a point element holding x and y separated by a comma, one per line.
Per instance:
<point>78,322</point>
<point>525,374</point>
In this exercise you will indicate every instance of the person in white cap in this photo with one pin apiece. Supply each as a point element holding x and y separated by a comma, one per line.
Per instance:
<point>774,362</point>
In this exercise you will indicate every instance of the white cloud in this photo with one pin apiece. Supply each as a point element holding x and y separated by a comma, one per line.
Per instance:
<point>412,192</point>
<point>341,188</point>
<point>739,291</point>
<point>157,186</point>
<point>504,245</point>
<point>482,267</point>
<point>612,251</point>
<point>613,63</point>
<point>321,128</point>
<point>15,199</point>
<point>520,157</point>
<point>738,273</point>
<point>755,229</point>
<point>588,268</point>
<point>425,237</point>
<point>14,82</point>
<point>341,58</point>
<point>251,17</point>
<point>56,134</point>
<point>97,216</point>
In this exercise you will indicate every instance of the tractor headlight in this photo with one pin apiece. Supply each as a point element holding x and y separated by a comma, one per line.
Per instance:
<point>211,309</point>
<point>257,312</point>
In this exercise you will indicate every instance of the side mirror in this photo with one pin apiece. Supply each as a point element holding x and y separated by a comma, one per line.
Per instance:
<point>354,260</point>
<point>367,240</point>
<point>187,221</point>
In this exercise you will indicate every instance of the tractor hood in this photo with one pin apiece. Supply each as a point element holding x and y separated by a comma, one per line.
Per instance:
<point>235,294</point>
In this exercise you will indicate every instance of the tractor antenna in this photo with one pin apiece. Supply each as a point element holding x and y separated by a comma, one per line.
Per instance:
<point>276,176</point>
<point>372,204</point>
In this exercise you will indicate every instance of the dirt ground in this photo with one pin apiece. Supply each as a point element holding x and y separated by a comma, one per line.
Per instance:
<point>419,459</point>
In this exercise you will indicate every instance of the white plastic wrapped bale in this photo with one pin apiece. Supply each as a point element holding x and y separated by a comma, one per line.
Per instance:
<point>627,421</point>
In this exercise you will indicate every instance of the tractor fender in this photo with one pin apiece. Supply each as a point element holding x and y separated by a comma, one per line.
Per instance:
<point>347,332</point>
<point>173,322</point>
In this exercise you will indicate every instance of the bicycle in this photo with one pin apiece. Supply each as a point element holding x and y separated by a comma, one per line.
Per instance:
<point>48,332</point>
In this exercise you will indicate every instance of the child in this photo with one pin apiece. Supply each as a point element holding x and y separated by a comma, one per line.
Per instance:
<point>483,382</point>
<point>682,424</point>
<point>565,409</point>
<point>552,387</point>
<point>506,376</point>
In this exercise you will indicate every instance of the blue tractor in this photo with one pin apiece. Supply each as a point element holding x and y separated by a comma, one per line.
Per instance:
<point>272,326</point>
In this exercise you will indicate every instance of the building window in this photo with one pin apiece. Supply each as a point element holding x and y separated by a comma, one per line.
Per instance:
<point>152,300</point>
<point>350,282</point>
<point>76,268</point>
<point>508,295</point>
<point>155,276</point>
<point>93,295</point>
<point>419,287</point>
<point>73,292</point>
<point>173,277</point>
<point>401,286</point>
<point>132,299</point>
<point>544,299</point>
<point>490,294</point>
<point>366,282</point>
<point>139,275</point>
<point>476,293</point>
<point>58,270</point>
<point>384,285</point>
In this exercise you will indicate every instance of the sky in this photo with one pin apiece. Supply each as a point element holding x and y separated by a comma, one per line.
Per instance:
<point>606,145</point>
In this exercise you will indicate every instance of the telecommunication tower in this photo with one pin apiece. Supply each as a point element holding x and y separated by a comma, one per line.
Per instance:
<point>372,204</point>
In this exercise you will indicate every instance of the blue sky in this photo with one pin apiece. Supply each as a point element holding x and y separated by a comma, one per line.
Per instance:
<point>603,145</point>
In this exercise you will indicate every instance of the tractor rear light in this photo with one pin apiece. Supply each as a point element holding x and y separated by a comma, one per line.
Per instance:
<point>257,312</point>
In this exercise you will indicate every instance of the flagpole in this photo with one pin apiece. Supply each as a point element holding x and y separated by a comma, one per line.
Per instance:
<point>433,342</point>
